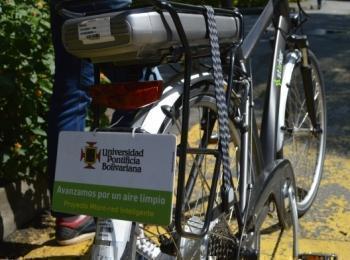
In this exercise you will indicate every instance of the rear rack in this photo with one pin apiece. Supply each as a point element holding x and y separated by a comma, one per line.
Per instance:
<point>183,50</point>
<point>173,8</point>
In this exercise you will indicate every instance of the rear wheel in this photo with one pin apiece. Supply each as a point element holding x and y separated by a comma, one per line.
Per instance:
<point>203,131</point>
<point>303,145</point>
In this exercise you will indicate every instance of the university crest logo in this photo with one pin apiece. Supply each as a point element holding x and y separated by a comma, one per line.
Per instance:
<point>90,154</point>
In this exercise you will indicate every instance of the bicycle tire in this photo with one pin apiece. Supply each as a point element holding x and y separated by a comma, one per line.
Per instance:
<point>300,143</point>
<point>202,104</point>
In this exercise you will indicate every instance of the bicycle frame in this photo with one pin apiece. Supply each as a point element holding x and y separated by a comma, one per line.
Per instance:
<point>265,148</point>
<point>262,150</point>
<point>263,154</point>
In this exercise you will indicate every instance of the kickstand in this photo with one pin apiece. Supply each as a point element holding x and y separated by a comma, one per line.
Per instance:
<point>295,221</point>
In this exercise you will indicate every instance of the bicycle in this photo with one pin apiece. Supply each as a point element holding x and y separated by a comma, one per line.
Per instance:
<point>228,175</point>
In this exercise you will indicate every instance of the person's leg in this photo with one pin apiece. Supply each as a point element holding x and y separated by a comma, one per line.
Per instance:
<point>69,99</point>
<point>68,107</point>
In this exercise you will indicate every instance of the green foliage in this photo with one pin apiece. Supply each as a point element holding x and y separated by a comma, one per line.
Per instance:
<point>26,64</point>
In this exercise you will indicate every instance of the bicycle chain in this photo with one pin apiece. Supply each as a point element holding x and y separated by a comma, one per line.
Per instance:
<point>220,96</point>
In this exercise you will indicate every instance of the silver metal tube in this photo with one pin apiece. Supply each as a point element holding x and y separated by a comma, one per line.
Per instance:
<point>295,221</point>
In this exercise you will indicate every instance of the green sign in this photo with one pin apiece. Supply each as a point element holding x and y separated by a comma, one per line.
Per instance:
<point>113,202</point>
<point>115,175</point>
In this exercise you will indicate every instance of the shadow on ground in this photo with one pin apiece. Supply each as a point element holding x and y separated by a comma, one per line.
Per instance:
<point>38,233</point>
<point>15,250</point>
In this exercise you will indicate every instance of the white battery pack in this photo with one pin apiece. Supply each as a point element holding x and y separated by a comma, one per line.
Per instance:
<point>140,36</point>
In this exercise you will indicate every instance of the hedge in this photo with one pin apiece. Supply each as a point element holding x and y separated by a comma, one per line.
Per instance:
<point>26,68</point>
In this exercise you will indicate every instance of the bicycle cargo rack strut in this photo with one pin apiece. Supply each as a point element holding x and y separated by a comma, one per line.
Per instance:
<point>183,149</point>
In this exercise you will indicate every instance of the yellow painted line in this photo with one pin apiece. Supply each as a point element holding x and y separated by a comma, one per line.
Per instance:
<point>325,229</point>
<point>63,252</point>
<point>284,249</point>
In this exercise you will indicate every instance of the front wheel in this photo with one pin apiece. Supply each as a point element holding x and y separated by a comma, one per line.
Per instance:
<point>303,145</point>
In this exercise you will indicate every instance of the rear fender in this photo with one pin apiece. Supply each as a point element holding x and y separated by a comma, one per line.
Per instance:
<point>172,94</point>
<point>292,59</point>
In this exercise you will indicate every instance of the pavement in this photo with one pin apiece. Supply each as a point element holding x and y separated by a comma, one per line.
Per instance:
<point>326,227</point>
<point>328,7</point>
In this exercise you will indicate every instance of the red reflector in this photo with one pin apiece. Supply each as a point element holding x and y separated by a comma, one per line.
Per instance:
<point>127,95</point>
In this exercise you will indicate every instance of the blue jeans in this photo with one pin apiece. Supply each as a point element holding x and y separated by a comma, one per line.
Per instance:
<point>69,101</point>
